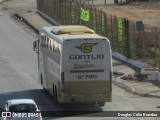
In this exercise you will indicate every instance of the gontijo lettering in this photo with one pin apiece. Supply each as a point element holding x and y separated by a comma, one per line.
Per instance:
<point>86,57</point>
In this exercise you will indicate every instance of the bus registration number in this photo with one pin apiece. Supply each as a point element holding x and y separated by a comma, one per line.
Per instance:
<point>87,76</point>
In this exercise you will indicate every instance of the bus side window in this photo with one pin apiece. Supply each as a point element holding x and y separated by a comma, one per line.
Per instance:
<point>43,37</point>
<point>52,41</point>
<point>60,48</point>
<point>50,44</point>
<point>46,41</point>
<point>56,46</point>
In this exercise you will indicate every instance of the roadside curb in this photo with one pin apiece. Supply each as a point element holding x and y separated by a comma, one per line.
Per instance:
<point>122,85</point>
<point>26,22</point>
<point>48,19</point>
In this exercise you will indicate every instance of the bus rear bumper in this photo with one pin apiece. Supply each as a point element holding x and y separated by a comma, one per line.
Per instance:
<point>85,98</point>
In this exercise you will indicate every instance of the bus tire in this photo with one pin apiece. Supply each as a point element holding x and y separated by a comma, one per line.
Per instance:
<point>44,89</point>
<point>55,98</point>
<point>101,104</point>
<point>56,102</point>
<point>41,80</point>
<point>116,1</point>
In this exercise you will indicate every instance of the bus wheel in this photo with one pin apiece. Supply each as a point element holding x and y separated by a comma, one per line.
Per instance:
<point>55,98</point>
<point>44,89</point>
<point>101,104</point>
<point>41,80</point>
<point>56,102</point>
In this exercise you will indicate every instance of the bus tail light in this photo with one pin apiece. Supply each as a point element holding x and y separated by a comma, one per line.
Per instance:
<point>110,80</point>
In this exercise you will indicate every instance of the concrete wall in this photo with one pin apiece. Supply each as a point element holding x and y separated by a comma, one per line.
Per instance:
<point>135,63</point>
<point>151,75</point>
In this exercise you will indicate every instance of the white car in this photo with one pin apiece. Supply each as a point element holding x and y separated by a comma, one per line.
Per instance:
<point>21,109</point>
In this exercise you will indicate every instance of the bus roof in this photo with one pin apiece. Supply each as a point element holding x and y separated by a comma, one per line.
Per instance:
<point>69,29</point>
<point>71,32</point>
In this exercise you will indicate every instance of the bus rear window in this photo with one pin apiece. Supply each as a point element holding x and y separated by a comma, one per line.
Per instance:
<point>86,50</point>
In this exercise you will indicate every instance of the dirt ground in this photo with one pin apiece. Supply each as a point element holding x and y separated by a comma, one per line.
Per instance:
<point>18,6</point>
<point>148,12</point>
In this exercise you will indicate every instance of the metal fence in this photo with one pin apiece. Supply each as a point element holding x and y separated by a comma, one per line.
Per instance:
<point>141,45</point>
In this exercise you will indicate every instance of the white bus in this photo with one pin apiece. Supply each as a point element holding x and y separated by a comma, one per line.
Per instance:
<point>75,64</point>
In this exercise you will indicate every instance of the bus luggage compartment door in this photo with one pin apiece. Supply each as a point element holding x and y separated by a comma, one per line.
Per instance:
<point>87,81</point>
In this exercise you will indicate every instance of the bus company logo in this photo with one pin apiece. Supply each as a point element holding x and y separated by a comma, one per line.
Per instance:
<point>6,114</point>
<point>86,47</point>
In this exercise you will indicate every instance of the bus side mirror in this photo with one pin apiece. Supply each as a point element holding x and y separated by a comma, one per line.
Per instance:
<point>35,46</point>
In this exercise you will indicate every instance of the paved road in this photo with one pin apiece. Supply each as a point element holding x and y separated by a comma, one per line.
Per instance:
<point>19,78</point>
